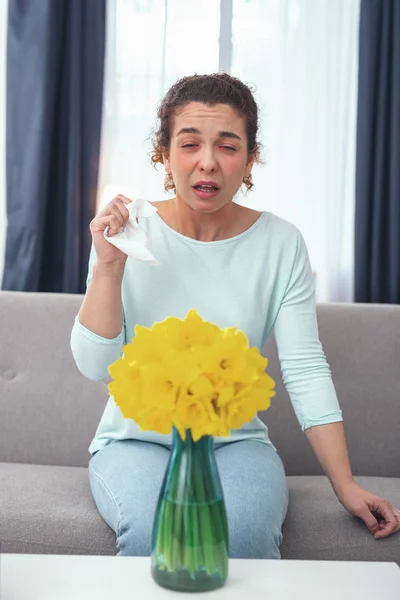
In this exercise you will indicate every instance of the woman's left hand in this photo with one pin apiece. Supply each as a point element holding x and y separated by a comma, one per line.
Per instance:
<point>381,517</point>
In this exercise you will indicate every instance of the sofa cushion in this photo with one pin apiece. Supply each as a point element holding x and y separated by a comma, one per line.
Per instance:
<point>317,527</point>
<point>46,509</point>
<point>50,510</point>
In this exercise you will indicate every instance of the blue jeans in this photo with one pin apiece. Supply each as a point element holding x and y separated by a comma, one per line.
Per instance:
<point>126,476</point>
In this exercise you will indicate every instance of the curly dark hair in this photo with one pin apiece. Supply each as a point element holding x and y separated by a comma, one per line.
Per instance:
<point>217,88</point>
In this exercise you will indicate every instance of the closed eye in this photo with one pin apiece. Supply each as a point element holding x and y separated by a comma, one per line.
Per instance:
<point>231,148</point>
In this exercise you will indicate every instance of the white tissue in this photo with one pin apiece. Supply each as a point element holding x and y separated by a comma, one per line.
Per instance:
<point>132,239</point>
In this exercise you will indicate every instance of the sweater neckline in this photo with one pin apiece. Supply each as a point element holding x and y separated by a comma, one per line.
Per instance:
<point>230,240</point>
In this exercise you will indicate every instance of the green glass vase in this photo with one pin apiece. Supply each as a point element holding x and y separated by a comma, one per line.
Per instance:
<point>190,532</point>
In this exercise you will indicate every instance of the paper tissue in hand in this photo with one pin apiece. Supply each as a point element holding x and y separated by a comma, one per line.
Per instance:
<point>132,239</point>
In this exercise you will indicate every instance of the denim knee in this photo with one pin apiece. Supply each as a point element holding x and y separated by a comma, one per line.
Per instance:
<point>258,543</point>
<point>257,533</point>
<point>133,538</point>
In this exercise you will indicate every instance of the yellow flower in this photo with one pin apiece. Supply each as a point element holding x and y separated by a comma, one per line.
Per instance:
<point>246,401</point>
<point>224,395</point>
<point>262,392</point>
<point>225,361</point>
<point>148,345</point>
<point>221,429</point>
<point>126,386</point>
<point>197,332</point>
<point>201,387</point>
<point>189,333</point>
<point>256,365</point>
<point>182,364</point>
<point>126,395</point>
<point>160,386</point>
<point>162,381</point>
<point>196,413</point>
<point>256,360</point>
<point>192,375</point>
<point>123,369</point>
<point>237,412</point>
<point>156,420</point>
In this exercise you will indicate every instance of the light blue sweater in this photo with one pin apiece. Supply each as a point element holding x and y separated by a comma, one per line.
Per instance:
<point>258,281</point>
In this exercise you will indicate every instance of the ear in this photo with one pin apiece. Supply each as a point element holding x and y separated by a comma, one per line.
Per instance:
<point>248,168</point>
<point>251,160</point>
<point>167,162</point>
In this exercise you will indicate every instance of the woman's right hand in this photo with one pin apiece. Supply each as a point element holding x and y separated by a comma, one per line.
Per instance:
<point>114,215</point>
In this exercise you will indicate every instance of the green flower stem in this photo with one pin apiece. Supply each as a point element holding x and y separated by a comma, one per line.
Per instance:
<point>176,542</point>
<point>201,523</point>
<point>195,500</point>
<point>222,533</point>
<point>160,538</point>
<point>188,557</point>
<point>177,523</point>
<point>205,516</point>
<point>190,543</point>
<point>168,522</point>
<point>197,554</point>
<point>218,522</point>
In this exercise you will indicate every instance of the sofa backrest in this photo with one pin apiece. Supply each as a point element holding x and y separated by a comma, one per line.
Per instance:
<point>49,412</point>
<point>362,346</point>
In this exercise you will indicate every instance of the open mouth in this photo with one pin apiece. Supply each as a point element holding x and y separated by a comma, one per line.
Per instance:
<point>206,188</point>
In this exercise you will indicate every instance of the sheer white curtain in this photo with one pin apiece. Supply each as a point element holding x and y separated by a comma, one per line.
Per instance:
<point>3,45</point>
<point>301,55</point>
<point>150,44</point>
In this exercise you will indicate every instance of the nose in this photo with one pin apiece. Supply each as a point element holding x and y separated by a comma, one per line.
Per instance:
<point>208,162</point>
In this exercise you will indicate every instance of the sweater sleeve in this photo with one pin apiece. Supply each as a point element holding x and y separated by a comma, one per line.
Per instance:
<point>93,353</point>
<point>306,373</point>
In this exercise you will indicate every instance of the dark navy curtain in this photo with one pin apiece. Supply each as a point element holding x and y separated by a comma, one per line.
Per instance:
<point>377,218</point>
<point>55,65</point>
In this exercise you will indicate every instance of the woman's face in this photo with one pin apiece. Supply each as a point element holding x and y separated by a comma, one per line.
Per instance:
<point>208,155</point>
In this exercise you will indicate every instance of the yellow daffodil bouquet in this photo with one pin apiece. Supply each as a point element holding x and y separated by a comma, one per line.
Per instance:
<point>192,375</point>
<point>199,381</point>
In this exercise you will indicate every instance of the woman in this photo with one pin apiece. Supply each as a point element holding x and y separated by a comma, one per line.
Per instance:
<point>237,267</point>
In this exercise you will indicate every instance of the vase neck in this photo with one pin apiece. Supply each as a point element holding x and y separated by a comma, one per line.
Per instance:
<point>192,464</point>
<point>204,443</point>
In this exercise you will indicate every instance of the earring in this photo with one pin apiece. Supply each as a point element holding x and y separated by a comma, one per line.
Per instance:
<point>169,184</point>
<point>248,181</point>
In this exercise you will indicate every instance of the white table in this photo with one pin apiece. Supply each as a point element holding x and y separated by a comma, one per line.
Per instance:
<point>50,577</point>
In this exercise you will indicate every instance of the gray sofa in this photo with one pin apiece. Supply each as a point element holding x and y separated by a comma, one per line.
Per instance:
<point>49,412</point>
